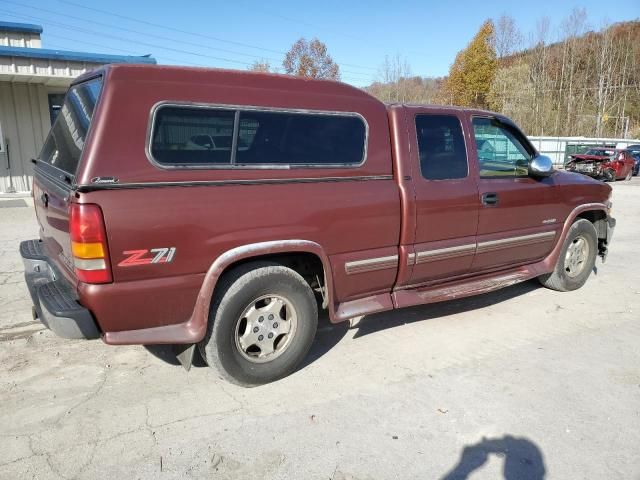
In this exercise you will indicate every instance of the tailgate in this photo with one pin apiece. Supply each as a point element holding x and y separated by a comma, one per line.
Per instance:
<point>51,200</point>
<point>56,168</point>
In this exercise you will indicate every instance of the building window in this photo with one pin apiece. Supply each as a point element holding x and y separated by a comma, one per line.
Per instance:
<point>55,105</point>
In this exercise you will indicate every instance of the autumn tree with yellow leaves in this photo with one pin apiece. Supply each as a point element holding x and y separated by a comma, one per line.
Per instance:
<point>473,71</point>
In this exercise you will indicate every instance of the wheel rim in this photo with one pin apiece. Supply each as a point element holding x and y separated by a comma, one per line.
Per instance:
<point>265,329</point>
<point>575,260</point>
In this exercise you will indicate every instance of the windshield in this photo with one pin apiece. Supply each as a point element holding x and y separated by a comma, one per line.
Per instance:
<point>66,139</point>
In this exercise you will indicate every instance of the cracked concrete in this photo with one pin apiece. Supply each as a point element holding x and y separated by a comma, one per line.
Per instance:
<point>410,394</point>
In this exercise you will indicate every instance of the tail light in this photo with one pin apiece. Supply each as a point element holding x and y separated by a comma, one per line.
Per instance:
<point>89,244</point>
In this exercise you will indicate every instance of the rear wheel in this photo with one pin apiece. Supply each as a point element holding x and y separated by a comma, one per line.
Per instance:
<point>577,258</point>
<point>261,324</point>
<point>629,175</point>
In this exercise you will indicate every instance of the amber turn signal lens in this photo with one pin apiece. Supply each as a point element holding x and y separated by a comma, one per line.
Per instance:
<point>87,250</point>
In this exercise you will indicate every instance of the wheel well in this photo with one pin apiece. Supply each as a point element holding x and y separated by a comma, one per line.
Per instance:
<point>599,220</point>
<point>308,265</point>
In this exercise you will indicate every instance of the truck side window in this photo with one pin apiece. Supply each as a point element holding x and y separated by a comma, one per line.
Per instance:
<point>441,147</point>
<point>191,135</point>
<point>288,138</point>
<point>188,135</point>
<point>500,152</point>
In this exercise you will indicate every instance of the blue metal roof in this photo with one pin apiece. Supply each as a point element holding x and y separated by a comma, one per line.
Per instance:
<point>72,56</point>
<point>20,27</point>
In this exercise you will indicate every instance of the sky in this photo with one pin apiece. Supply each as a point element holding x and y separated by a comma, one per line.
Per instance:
<point>235,33</point>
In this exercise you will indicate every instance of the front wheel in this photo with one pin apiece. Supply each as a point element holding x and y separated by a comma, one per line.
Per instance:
<point>609,175</point>
<point>261,324</point>
<point>577,258</point>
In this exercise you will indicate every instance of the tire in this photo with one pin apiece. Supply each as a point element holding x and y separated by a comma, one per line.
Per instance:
<point>241,324</point>
<point>563,279</point>
<point>609,175</point>
<point>629,176</point>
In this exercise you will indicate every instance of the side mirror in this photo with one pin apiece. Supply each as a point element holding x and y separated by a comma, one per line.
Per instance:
<point>541,166</point>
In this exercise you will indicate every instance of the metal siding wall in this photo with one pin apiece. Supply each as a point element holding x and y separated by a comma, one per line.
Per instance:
<point>25,124</point>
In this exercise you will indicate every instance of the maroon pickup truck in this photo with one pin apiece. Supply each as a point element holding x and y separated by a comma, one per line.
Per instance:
<point>223,209</point>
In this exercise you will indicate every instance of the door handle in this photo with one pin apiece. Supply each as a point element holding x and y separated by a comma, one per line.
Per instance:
<point>490,198</point>
<point>45,199</point>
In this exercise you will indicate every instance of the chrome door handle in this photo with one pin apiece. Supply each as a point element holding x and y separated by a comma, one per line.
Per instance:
<point>490,198</point>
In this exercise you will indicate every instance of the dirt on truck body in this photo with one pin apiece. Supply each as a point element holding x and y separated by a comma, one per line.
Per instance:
<point>221,210</point>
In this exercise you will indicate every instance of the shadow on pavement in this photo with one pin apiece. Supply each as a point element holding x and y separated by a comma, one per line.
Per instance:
<point>327,337</point>
<point>395,318</point>
<point>328,334</point>
<point>523,460</point>
<point>167,354</point>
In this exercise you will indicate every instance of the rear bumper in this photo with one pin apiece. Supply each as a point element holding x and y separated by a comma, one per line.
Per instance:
<point>54,298</point>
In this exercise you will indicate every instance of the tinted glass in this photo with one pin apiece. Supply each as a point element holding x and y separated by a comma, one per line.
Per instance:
<point>282,138</point>
<point>68,134</point>
<point>441,147</point>
<point>183,135</point>
<point>500,152</point>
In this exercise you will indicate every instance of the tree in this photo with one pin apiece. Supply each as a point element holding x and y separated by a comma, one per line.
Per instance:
<point>507,38</point>
<point>310,59</point>
<point>474,69</point>
<point>394,74</point>
<point>261,66</point>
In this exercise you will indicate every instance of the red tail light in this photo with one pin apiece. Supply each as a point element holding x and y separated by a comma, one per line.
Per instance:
<point>89,244</point>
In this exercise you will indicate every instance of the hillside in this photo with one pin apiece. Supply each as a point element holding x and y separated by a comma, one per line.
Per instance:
<point>586,84</point>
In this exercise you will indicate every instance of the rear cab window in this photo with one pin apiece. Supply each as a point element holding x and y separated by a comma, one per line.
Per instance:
<point>65,142</point>
<point>183,136</point>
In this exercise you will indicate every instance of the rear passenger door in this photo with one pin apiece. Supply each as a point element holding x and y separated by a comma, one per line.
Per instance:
<point>446,197</point>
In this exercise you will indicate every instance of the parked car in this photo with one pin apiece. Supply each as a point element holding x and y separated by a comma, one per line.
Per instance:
<point>634,150</point>
<point>608,164</point>
<point>334,201</point>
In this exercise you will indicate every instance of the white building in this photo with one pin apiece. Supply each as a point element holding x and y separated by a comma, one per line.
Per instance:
<point>32,85</point>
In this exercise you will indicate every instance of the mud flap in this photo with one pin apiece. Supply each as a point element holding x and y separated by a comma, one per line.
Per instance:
<point>184,354</point>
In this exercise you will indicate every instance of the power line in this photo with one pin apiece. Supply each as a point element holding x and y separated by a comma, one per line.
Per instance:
<point>135,32</point>
<point>308,24</point>
<point>128,52</point>
<point>114,37</point>
<point>197,34</point>
<point>166,27</point>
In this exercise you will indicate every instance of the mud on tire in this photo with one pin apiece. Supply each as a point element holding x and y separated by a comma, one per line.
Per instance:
<point>241,341</point>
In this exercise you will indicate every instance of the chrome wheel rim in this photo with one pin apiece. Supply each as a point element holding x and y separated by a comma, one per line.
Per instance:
<point>575,259</point>
<point>266,328</point>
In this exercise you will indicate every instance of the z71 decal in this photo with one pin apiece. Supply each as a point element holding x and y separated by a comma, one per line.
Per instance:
<point>146,257</point>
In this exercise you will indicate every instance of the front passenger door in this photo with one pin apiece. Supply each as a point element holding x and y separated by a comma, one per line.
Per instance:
<point>520,216</point>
